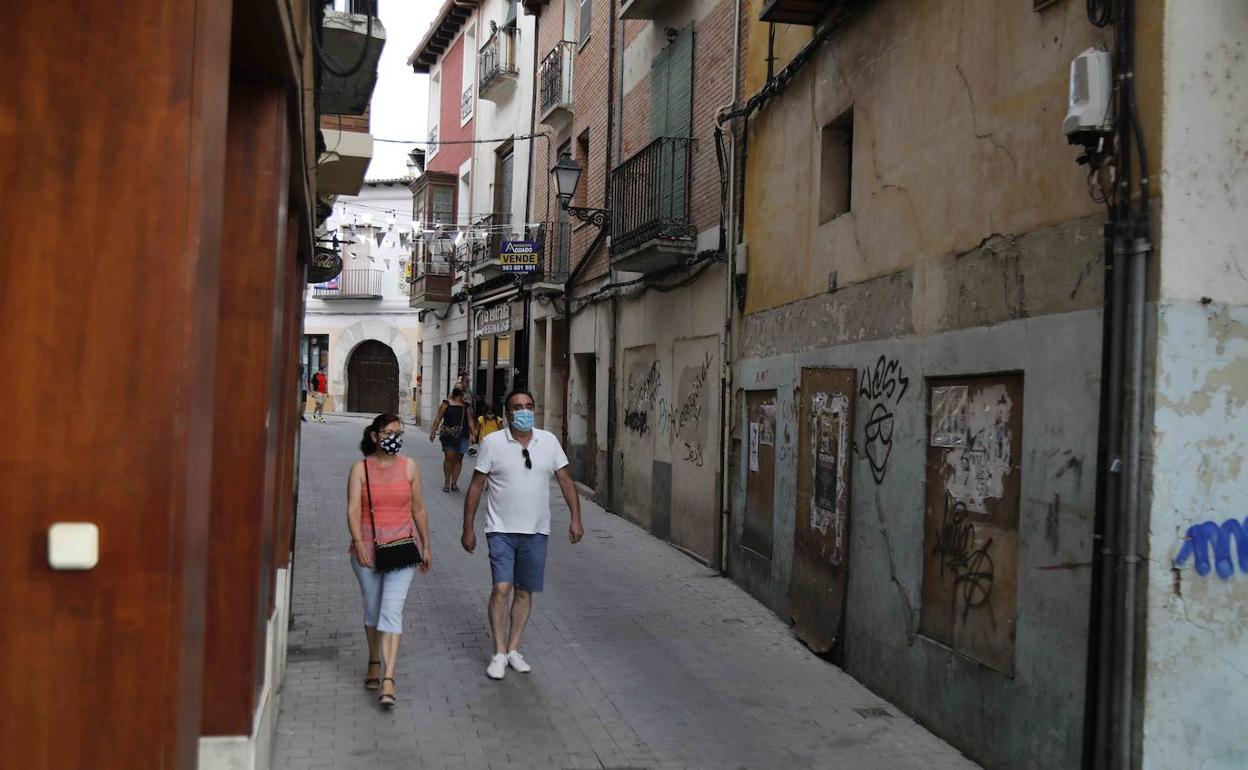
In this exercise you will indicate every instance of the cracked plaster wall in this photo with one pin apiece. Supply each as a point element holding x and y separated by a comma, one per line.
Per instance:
<point>1035,718</point>
<point>957,140</point>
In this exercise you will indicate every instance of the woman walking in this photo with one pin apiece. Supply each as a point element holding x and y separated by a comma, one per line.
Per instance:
<point>455,427</point>
<point>389,539</point>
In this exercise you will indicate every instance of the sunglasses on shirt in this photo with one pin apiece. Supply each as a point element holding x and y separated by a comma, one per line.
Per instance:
<point>528,463</point>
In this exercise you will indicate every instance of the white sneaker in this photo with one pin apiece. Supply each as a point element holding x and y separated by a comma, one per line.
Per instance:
<point>497,667</point>
<point>516,660</point>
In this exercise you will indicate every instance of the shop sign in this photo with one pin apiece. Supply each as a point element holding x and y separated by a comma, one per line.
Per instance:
<point>493,320</point>
<point>518,256</point>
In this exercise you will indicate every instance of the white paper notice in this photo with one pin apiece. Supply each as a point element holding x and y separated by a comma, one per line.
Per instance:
<point>754,447</point>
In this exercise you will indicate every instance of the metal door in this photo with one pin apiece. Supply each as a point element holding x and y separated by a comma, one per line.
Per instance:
<point>821,524</point>
<point>373,379</point>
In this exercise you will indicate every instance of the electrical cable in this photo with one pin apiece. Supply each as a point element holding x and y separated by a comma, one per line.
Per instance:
<point>368,39</point>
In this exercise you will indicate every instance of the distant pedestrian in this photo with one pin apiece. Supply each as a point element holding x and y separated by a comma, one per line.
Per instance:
<point>518,463</point>
<point>320,391</point>
<point>303,394</point>
<point>454,426</point>
<point>389,538</point>
<point>488,423</point>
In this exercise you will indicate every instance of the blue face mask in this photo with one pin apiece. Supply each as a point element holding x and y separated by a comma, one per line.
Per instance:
<point>522,419</point>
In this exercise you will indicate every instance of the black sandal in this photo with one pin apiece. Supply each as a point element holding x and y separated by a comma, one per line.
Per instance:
<point>387,700</point>
<point>372,682</point>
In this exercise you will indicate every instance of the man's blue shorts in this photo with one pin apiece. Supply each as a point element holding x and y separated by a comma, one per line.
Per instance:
<point>519,560</point>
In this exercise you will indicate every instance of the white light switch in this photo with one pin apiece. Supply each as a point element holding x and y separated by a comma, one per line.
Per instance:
<point>73,545</point>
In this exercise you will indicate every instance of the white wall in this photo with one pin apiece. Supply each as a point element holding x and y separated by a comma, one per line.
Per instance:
<point>1196,688</point>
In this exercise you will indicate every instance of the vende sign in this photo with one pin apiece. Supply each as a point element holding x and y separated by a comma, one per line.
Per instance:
<point>518,256</point>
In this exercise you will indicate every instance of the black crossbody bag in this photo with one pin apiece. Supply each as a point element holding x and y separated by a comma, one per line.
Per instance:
<point>397,554</point>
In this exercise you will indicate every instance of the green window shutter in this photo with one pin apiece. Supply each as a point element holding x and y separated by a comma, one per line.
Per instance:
<point>680,84</point>
<point>658,94</point>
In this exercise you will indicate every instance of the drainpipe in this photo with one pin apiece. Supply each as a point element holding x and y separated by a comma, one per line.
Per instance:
<point>723,523</point>
<point>612,114</point>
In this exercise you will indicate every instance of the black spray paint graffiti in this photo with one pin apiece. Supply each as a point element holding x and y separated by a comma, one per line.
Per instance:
<point>641,392</point>
<point>883,388</point>
<point>971,567</point>
<point>688,423</point>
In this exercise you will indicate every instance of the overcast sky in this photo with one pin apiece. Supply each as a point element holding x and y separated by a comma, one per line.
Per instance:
<point>400,99</point>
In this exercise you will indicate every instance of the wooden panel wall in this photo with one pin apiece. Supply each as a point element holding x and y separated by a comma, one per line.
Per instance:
<point>111,135</point>
<point>246,463</point>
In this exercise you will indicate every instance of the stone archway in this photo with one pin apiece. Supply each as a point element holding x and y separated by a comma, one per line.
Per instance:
<point>352,337</point>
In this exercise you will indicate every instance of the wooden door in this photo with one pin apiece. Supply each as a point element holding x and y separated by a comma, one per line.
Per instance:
<point>821,524</point>
<point>970,532</point>
<point>758,528</point>
<point>373,379</point>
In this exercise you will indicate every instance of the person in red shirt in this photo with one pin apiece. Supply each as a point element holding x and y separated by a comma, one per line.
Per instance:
<point>320,388</point>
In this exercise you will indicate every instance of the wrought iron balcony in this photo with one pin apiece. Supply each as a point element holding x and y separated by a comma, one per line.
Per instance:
<point>350,284</point>
<point>555,77</point>
<point>433,141</point>
<point>650,194</point>
<point>555,239</point>
<point>465,104</point>
<point>430,289</point>
<point>496,65</point>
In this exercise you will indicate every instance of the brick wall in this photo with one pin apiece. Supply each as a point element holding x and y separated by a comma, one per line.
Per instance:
<point>347,122</point>
<point>451,156</point>
<point>591,113</point>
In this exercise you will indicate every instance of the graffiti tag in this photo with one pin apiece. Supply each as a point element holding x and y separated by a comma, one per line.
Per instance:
<point>971,566</point>
<point>1210,537</point>
<point>883,388</point>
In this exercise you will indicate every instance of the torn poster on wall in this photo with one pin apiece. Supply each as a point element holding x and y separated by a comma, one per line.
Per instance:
<point>753,447</point>
<point>948,416</point>
<point>767,425</point>
<point>976,468</point>
<point>830,501</point>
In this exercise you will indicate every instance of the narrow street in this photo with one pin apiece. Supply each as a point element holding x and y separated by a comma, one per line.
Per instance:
<point>642,658</point>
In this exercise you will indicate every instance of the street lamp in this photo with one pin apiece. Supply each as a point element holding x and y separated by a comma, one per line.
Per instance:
<point>567,175</point>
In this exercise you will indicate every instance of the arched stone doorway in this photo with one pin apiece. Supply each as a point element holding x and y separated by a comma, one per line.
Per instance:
<point>373,379</point>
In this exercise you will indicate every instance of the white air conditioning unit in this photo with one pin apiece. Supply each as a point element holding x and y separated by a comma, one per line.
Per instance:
<point>1091,97</point>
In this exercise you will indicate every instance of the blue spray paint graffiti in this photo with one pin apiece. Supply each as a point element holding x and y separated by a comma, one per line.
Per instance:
<point>1209,536</point>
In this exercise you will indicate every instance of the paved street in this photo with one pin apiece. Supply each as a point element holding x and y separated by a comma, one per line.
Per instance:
<point>642,658</point>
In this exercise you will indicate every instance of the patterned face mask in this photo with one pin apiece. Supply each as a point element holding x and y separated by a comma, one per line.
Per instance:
<point>391,444</point>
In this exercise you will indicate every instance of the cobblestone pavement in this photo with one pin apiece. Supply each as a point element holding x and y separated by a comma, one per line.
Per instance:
<point>642,658</point>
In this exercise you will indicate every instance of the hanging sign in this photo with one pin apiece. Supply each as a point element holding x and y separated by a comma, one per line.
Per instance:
<point>518,256</point>
<point>493,320</point>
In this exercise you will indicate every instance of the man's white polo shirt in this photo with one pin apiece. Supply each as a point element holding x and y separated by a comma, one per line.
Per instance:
<point>517,499</point>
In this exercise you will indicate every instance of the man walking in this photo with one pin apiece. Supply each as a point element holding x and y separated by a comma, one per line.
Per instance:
<point>518,462</point>
<point>320,388</point>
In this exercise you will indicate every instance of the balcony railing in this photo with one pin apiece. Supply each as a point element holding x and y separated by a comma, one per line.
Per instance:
<point>433,141</point>
<point>497,59</point>
<point>556,249</point>
<point>555,76</point>
<point>350,284</point>
<point>650,195</point>
<point>465,104</point>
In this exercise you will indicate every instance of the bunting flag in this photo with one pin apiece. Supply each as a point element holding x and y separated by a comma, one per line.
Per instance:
<point>380,235</point>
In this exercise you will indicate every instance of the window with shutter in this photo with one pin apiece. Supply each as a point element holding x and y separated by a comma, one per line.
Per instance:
<point>587,16</point>
<point>671,115</point>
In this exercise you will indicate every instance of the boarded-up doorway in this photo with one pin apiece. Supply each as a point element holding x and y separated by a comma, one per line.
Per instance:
<point>970,532</point>
<point>821,524</point>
